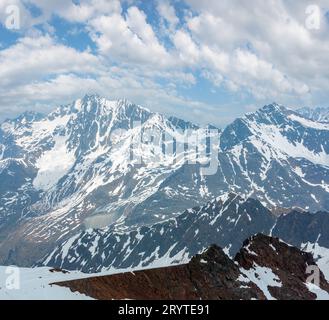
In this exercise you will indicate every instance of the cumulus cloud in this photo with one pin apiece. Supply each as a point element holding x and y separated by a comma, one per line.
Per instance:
<point>128,39</point>
<point>267,42</point>
<point>34,58</point>
<point>188,51</point>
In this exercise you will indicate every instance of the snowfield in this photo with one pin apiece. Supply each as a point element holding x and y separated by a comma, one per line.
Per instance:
<point>35,284</point>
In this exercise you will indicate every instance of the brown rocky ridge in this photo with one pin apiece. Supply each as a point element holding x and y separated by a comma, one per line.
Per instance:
<point>264,268</point>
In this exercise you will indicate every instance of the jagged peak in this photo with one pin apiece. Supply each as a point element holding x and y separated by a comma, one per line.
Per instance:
<point>228,198</point>
<point>26,116</point>
<point>275,107</point>
<point>269,109</point>
<point>96,104</point>
<point>211,254</point>
<point>109,104</point>
<point>91,96</point>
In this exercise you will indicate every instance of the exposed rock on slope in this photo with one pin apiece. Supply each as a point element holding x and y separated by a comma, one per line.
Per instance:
<point>265,255</point>
<point>226,222</point>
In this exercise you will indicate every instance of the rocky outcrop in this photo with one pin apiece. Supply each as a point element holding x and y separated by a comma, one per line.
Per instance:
<point>264,268</point>
<point>291,266</point>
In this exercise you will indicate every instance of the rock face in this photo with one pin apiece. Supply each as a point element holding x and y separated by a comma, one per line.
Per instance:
<point>264,268</point>
<point>300,228</point>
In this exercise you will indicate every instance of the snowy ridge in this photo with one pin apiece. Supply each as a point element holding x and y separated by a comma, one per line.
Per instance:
<point>226,221</point>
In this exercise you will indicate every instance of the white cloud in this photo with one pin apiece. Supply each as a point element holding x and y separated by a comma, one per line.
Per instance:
<point>114,84</point>
<point>168,14</point>
<point>270,51</point>
<point>215,59</point>
<point>188,51</point>
<point>34,58</point>
<point>129,39</point>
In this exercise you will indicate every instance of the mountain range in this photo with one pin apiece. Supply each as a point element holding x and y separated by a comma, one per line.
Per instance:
<point>72,194</point>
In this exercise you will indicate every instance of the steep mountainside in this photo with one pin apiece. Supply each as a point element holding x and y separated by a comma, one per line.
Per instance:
<point>280,158</point>
<point>264,268</point>
<point>60,170</point>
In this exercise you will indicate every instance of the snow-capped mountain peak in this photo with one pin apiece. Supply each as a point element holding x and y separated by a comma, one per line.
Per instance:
<point>85,165</point>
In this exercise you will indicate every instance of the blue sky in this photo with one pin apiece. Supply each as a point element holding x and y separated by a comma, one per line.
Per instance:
<point>206,61</point>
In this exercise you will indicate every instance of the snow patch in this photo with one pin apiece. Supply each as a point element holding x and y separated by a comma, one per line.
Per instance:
<point>53,164</point>
<point>263,277</point>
